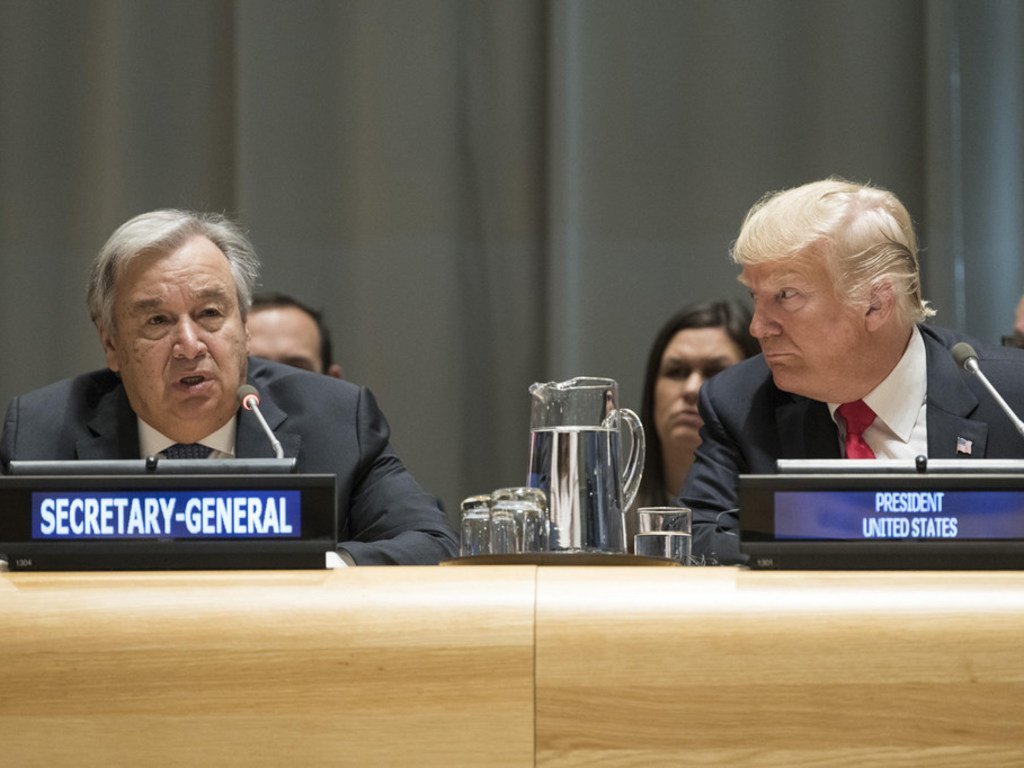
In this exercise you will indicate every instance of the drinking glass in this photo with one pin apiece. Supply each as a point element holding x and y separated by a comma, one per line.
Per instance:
<point>476,530</point>
<point>506,537</point>
<point>529,507</point>
<point>664,532</point>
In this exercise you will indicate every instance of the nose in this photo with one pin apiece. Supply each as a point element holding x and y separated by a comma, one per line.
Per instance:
<point>691,387</point>
<point>188,342</point>
<point>761,324</point>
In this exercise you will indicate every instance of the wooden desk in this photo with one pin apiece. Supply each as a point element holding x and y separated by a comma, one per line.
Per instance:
<point>363,666</point>
<point>512,665</point>
<point>721,666</point>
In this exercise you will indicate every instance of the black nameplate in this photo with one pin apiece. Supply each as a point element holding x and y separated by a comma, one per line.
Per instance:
<point>883,521</point>
<point>154,521</point>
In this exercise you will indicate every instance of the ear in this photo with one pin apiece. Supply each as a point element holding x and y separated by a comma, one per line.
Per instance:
<point>881,306</point>
<point>109,349</point>
<point>335,371</point>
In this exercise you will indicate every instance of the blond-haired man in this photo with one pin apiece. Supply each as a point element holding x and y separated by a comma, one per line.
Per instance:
<point>848,368</point>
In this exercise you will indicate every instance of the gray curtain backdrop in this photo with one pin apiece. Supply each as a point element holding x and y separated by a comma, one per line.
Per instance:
<point>482,194</point>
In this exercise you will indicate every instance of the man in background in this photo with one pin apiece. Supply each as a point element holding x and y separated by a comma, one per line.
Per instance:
<point>848,368</point>
<point>1017,338</point>
<point>169,293</point>
<point>284,329</point>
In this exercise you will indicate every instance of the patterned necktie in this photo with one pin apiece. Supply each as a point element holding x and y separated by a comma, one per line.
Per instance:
<point>857,416</point>
<point>187,451</point>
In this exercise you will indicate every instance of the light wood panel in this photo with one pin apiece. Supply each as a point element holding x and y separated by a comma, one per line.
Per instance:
<point>713,666</point>
<point>361,666</point>
<point>508,665</point>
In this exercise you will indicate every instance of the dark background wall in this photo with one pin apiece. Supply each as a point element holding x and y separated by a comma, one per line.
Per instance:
<point>483,194</point>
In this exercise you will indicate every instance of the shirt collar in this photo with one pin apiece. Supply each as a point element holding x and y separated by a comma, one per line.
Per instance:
<point>897,400</point>
<point>152,442</point>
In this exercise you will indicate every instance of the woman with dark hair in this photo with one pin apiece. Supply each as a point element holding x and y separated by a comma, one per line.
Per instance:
<point>695,344</point>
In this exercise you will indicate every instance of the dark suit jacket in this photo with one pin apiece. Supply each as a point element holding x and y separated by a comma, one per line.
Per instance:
<point>330,426</point>
<point>749,423</point>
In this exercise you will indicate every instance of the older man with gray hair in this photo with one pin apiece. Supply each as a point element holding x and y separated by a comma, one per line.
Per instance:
<point>848,367</point>
<point>169,293</point>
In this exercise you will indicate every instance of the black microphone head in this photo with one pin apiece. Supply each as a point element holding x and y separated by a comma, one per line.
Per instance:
<point>964,352</point>
<point>245,391</point>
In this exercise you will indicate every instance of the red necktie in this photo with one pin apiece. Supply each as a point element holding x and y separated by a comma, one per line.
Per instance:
<point>858,417</point>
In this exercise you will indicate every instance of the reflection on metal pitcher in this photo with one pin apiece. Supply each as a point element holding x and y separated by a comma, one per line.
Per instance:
<point>574,459</point>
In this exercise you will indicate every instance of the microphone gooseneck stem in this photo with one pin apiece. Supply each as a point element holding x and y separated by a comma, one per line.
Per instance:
<point>278,450</point>
<point>971,365</point>
<point>250,400</point>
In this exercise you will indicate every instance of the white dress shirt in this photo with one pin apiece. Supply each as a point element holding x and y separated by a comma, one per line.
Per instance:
<point>222,442</point>
<point>900,429</point>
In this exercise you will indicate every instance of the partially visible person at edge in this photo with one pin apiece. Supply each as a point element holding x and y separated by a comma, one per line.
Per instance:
<point>696,343</point>
<point>169,293</point>
<point>284,329</point>
<point>832,269</point>
<point>1017,338</point>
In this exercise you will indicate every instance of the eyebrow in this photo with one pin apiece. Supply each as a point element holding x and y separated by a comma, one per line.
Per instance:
<point>671,358</point>
<point>143,305</point>
<point>298,361</point>
<point>149,304</point>
<point>212,292</point>
<point>780,279</point>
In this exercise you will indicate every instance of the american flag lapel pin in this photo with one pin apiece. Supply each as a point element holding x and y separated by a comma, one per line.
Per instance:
<point>964,446</point>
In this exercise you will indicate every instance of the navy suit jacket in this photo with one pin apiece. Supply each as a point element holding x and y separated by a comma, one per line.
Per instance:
<point>329,426</point>
<point>749,424</point>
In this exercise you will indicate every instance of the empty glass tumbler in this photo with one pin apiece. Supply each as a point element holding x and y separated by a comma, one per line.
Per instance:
<point>528,506</point>
<point>475,531</point>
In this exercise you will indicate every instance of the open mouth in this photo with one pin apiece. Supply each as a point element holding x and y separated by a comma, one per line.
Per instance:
<point>191,381</point>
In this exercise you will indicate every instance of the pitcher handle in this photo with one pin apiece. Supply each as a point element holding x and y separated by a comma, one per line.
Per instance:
<point>634,468</point>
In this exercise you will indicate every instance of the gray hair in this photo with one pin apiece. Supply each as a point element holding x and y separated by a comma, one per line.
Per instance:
<point>164,231</point>
<point>864,234</point>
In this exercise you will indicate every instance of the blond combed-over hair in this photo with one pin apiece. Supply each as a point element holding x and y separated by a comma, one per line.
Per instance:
<point>863,234</point>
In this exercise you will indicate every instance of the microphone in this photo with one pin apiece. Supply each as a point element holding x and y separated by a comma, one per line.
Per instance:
<point>967,358</point>
<point>250,400</point>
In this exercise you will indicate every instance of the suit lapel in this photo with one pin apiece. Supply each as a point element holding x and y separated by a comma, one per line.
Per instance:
<point>250,440</point>
<point>950,404</point>
<point>114,428</point>
<point>115,431</point>
<point>806,431</point>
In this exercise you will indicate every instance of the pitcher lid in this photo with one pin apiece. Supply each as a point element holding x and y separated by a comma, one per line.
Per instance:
<point>578,382</point>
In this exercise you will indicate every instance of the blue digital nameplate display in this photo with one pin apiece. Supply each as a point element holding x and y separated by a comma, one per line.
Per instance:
<point>898,515</point>
<point>883,521</point>
<point>175,521</point>
<point>99,516</point>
